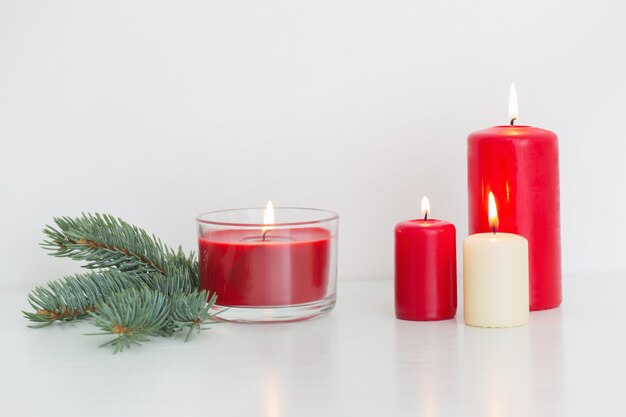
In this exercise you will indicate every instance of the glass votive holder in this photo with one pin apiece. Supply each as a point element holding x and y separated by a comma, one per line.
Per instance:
<point>278,272</point>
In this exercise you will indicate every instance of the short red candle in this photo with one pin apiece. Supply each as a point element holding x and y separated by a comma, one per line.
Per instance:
<point>520,165</point>
<point>425,279</point>
<point>290,267</point>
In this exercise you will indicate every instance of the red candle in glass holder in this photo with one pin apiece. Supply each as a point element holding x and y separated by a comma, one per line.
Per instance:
<point>288,267</point>
<point>520,164</point>
<point>269,271</point>
<point>425,269</point>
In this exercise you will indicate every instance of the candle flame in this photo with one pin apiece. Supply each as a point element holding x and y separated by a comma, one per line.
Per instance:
<point>513,111</point>
<point>425,207</point>
<point>493,213</point>
<point>268,218</point>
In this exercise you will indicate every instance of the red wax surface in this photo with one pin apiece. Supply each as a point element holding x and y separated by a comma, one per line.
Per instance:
<point>291,267</point>
<point>425,282</point>
<point>520,165</point>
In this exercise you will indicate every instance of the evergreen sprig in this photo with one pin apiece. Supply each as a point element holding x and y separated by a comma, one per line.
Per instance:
<point>142,287</point>
<point>190,311</point>
<point>104,241</point>
<point>136,314</point>
<point>73,297</point>
<point>133,315</point>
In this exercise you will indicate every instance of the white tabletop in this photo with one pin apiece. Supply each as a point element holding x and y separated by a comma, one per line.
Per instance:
<point>358,361</point>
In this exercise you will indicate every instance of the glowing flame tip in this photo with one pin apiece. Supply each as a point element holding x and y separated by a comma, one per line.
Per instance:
<point>493,213</point>
<point>268,217</point>
<point>425,207</point>
<point>513,111</point>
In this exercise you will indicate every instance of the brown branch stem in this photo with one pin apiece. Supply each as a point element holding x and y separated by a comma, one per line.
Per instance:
<point>99,245</point>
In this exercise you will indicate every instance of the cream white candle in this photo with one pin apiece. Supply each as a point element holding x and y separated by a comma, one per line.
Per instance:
<point>495,277</point>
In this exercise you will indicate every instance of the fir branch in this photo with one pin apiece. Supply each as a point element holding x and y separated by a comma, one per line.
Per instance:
<point>190,311</point>
<point>104,241</point>
<point>73,297</point>
<point>144,289</point>
<point>180,280</point>
<point>132,315</point>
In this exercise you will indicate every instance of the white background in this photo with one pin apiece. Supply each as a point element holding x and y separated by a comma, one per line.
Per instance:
<point>156,111</point>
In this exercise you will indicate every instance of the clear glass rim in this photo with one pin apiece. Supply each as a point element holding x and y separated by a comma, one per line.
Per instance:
<point>330,216</point>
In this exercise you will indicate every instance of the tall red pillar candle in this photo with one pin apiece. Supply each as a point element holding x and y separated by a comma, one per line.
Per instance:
<point>425,270</point>
<point>520,165</point>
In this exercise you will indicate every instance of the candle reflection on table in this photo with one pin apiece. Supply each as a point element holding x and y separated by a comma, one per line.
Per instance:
<point>445,368</point>
<point>517,371</point>
<point>427,360</point>
<point>273,394</point>
<point>497,371</point>
<point>281,354</point>
<point>547,355</point>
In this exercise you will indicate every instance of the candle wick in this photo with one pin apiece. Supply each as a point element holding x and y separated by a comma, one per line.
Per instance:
<point>425,216</point>
<point>513,121</point>
<point>493,229</point>
<point>265,234</point>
